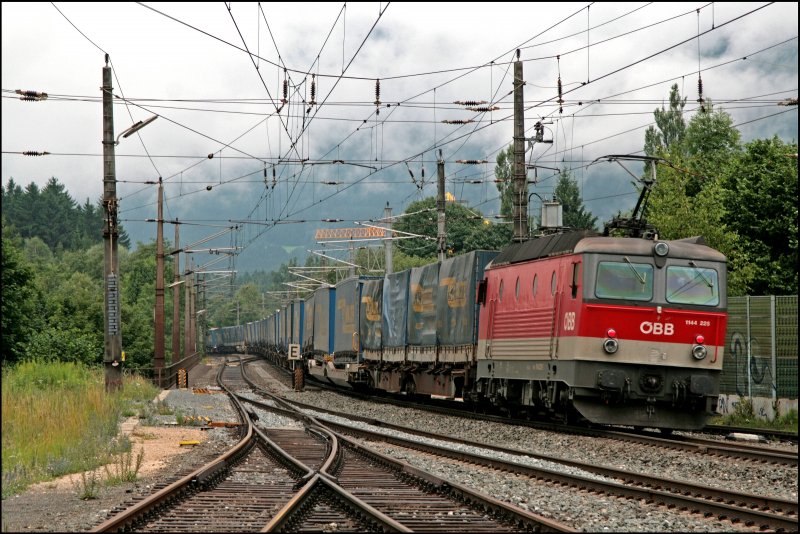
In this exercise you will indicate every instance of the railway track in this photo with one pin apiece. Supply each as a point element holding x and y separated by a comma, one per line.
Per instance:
<point>749,509</point>
<point>746,508</point>
<point>698,445</point>
<point>414,499</point>
<point>770,434</point>
<point>310,479</point>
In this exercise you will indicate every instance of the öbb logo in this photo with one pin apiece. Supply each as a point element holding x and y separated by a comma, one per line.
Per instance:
<point>657,329</point>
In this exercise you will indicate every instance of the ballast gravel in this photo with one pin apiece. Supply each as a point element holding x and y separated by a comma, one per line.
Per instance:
<point>583,511</point>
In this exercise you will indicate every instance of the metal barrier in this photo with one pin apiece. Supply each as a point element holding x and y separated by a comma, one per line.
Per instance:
<point>167,377</point>
<point>761,347</point>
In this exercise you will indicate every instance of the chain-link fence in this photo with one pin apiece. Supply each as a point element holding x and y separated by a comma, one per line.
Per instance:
<point>761,347</point>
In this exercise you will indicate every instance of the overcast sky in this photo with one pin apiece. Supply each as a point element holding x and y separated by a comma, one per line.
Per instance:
<point>188,63</point>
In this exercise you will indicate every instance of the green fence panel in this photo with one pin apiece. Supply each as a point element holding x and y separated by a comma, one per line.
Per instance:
<point>761,347</point>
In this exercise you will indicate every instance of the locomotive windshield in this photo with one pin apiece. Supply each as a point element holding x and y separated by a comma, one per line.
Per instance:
<point>624,281</point>
<point>692,285</point>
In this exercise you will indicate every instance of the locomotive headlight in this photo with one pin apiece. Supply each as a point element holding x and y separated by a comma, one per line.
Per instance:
<point>661,249</point>
<point>610,345</point>
<point>699,352</point>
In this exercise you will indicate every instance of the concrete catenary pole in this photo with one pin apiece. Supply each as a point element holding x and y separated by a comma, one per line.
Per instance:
<point>520,174</point>
<point>176,298</point>
<point>187,320</point>
<point>193,312</point>
<point>158,353</point>
<point>388,244</point>
<point>112,325</point>
<point>440,205</point>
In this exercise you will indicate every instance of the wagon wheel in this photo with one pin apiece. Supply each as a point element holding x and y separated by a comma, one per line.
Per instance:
<point>299,378</point>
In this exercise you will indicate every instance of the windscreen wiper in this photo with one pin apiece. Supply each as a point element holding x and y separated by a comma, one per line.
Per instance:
<point>641,279</point>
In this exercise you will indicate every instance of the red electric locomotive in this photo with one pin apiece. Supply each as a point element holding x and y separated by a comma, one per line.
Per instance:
<point>622,331</point>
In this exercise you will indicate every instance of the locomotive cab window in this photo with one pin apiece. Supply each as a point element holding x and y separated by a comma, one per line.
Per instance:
<point>576,269</point>
<point>692,285</point>
<point>624,280</point>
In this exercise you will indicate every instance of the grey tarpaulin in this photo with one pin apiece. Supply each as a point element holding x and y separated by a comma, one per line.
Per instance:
<point>456,310</point>
<point>308,324</point>
<point>297,321</point>
<point>395,309</point>
<point>284,326</point>
<point>422,292</point>
<point>371,314</point>
<point>271,330</point>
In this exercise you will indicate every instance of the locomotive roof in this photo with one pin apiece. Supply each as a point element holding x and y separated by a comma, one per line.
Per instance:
<point>693,248</point>
<point>587,241</point>
<point>541,247</point>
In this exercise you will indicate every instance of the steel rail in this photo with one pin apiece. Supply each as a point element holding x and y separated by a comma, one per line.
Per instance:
<point>456,491</point>
<point>675,486</point>
<point>738,450</point>
<point>190,483</point>
<point>311,492</point>
<point>678,499</point>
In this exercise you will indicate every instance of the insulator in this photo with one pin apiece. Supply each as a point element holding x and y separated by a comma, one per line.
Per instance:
<point>458,121</point>
<point>378,92</point>
<point>470,102</point>
<point>483,108</point>
<point>31,95</point>
<point>285,88</point>
<point>471,161</point>
<point>560,94</point>
<point>700,94</point>
<point>274,180</point>
<point>34,153</point>
<point>313,90</point>
<point>423,172</point>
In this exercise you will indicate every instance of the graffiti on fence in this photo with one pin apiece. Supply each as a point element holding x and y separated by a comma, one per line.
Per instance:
<point>726,404</point>
<point>759,365</point>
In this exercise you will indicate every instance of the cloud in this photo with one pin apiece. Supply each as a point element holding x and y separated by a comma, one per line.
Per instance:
<point>213,100</point>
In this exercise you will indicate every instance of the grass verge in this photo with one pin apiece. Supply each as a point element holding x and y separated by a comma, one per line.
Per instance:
<point>744,416</point>
<point>58,419</point>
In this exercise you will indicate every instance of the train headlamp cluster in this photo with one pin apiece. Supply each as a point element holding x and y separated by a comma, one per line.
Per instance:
<point>699,352</point>
<point>610,344</point>
<point>661,249</point>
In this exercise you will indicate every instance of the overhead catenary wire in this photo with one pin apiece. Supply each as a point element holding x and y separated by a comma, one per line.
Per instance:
<point>300,179</point>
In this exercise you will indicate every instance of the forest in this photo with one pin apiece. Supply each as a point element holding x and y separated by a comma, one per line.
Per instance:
<point>742,197</point>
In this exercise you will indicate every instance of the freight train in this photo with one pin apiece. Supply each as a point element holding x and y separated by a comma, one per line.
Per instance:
<point>572,326</point>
